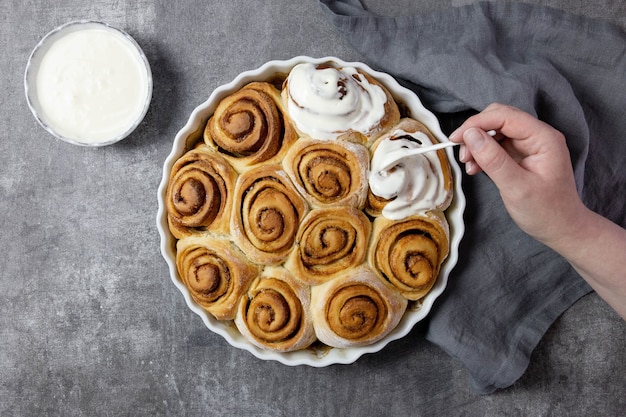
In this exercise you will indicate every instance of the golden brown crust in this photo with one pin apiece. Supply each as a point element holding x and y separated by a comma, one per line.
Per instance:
<point>267,212</point>
<point>355,309</point>
<point>408,253</point>
<point>275,312</point>
<point>215,273</point>
<point>250,126</point>
<point>329,173</point>
<point>330,241</point>
<point>199,193</point>
<point>374,204</point>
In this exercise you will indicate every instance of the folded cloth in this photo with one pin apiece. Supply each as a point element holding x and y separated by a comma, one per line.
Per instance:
<point>569,71</point>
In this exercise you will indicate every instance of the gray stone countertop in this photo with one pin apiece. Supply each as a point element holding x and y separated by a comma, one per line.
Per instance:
<point>90,323</point>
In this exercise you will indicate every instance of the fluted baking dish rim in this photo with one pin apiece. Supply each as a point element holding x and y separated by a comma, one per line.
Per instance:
<point>316,358</point>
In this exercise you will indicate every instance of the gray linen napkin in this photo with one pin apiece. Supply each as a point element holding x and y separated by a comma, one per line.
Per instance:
<point>570,71</point>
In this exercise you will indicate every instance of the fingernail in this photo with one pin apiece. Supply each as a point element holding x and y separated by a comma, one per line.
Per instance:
<point>454,135</point>
<point>462,153</point>
<point>469,167</point>
<point>474,139</point>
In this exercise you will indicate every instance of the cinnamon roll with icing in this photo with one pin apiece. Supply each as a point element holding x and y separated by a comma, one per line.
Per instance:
<point>267,213</point>
<point>355,309</point>
<point>326,102</point>
<point>409,253</point>
<point>250,126</point>
<point>199,193</point>
<point>405,185</point>
<point>275,312</point>
<point>329,173</point>
<point>215,273</point>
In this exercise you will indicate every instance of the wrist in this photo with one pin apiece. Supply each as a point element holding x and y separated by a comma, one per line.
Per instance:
<point>595,248</point>
<point>573,230</point>
<point>583,235</point>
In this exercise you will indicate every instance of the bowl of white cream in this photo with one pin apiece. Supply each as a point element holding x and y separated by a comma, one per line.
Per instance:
<point>88,83</point>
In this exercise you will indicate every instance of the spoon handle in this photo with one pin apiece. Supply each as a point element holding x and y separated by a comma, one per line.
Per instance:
<point>440,145</point>
<point>434,147</point>
<point>419,151</point>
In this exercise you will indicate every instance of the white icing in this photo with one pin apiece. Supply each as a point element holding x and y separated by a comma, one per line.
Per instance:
<point>92,85</point>
<point>326,102</point>
<point>413,183</point>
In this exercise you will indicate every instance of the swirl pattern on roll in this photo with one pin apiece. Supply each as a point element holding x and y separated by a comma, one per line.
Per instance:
<point>374,204</point>
<point>267,215</point>
<point>330,241</point>
<point>215,273</point>
<point>250,126</point>
<point>274,312</point>
<point>355,309</point>
<point>329,173</point>
<point>199,193</point>
<point>409,253</point>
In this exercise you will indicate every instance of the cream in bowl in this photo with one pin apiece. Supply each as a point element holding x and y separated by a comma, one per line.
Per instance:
<point>88,83</point>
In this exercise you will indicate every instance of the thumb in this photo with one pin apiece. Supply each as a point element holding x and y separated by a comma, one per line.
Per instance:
<point>492,158</point>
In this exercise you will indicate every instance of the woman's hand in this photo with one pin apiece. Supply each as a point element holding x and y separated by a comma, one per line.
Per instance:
<point>529,162</point>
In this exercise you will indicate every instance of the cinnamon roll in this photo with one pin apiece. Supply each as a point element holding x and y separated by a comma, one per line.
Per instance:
<point>325,102</point>
<point>330,241</point>
<point>268,211</point>
<point>401,185</point>
<point>355,309</point>
<point>408,253</point>
<point>251,126</point>
<point>199,193</point>
<point>329,173</point>
<point>275,312</point>
<point>215,272</point>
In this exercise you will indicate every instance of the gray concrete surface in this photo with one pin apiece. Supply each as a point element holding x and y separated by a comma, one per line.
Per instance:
<point>90,323</point>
